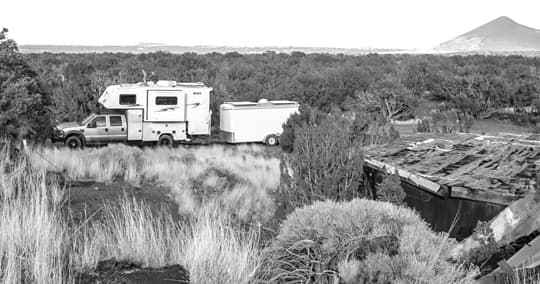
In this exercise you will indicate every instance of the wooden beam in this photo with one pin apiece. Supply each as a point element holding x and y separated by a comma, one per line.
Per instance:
<point>482,195</point>
<point>528,256</point>
<point>406,176</point>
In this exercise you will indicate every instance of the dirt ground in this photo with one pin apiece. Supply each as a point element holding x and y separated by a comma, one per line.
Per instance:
<point>86,198</point>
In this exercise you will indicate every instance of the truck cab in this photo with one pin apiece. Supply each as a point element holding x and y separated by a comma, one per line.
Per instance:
<point>96,129</point>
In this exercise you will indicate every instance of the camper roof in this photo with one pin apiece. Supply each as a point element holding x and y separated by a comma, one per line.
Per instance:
<point>161,84</point>
<point>261,104</point>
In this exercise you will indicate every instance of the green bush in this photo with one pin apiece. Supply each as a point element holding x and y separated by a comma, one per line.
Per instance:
<point>24,102</point>
<point>325,163</point>
<point>306,115</point>
<point>390,190</point>
<point>361,241</point>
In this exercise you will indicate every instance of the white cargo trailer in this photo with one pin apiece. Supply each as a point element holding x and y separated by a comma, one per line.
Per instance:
<point>261,121</point>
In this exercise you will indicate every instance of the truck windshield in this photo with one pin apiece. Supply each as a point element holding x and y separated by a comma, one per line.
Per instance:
<point>86,120</point>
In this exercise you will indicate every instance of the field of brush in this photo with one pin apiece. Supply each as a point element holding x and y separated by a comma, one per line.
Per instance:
<point>225,225</point>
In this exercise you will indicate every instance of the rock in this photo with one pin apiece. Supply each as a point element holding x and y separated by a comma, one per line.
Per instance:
<point>113,271</point>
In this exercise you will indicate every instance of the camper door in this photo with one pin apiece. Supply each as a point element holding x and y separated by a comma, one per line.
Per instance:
<point>166,105</point>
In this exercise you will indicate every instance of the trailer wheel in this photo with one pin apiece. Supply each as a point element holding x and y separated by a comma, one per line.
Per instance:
<point>165,140</point>
<point>74,142</point>
<point>271,140</point>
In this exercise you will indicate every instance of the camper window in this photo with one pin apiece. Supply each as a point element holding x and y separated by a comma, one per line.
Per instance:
<point>169,101</point>
<point>128,99</point>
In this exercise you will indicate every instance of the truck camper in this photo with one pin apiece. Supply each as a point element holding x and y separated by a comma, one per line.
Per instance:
<point>164,112</point>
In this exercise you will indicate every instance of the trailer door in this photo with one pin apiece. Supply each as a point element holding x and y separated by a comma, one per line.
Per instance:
<point>166,106</point>
<point>134,124</point>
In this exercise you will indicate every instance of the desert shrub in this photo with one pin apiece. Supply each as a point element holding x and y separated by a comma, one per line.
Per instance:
<point>488,253</point>
<point>488,246</point>
<point>325,163</point>
<point>371,127</point>
<point>423,126</point>
<point>390,190</point>
<point>361,241</point>
<point>305,115</point>
<point>446,121</point>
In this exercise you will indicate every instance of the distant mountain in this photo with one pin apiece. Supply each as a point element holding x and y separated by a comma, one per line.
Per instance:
<point>502,35</point>
<point>202,49</point>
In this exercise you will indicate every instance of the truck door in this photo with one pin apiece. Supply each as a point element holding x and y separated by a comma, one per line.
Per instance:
<point>117,128</point>
<point>96,131</point>
<point>134,124</point>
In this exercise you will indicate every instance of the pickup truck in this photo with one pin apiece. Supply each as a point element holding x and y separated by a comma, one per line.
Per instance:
<point>96,129</point>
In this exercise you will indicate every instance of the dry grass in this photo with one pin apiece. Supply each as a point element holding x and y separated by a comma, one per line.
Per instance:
<point>38,246</point>
<point>237,179</point>
<point>32,232</point>
<point>211,250</point>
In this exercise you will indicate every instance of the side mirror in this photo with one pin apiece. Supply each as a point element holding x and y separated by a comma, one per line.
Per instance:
<point>91,124</point>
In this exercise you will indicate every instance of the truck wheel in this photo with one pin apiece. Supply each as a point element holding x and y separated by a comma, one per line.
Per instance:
<point>74,142</point>
<point>165,140</point>
<point>271,140</point>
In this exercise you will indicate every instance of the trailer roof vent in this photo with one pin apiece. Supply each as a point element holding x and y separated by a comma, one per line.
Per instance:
<point>263,101</point>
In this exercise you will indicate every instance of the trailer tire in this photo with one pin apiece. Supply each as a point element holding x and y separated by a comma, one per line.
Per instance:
<point>271,140</point>
<point>74,142</point>
<point>165,140</point>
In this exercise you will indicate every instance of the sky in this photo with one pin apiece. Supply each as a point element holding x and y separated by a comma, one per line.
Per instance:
<point>330,23</point>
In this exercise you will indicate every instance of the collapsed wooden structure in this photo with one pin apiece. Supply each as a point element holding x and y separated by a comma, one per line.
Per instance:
<point>500,169</point>
<point>497,169</point>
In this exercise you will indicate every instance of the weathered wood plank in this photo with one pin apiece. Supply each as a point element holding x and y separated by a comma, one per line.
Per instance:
<point>481,195</point>
<point>415,180</point>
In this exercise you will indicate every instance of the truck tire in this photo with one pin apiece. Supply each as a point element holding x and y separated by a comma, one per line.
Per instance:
<point>74,142</point>
<point>165,140</point>
<point>271,140</point>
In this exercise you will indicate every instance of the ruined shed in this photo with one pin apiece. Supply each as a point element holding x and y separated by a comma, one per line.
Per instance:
<point>497,169</point>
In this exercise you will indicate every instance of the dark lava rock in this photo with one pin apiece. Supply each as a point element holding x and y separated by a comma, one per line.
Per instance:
<point>112,271</point>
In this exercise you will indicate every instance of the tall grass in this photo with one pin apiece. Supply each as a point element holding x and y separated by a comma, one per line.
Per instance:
<point>211,250</point>
<point>39,245</point>
<point>32,233</point>
<point>215,252</point>
<point>237,179</point>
